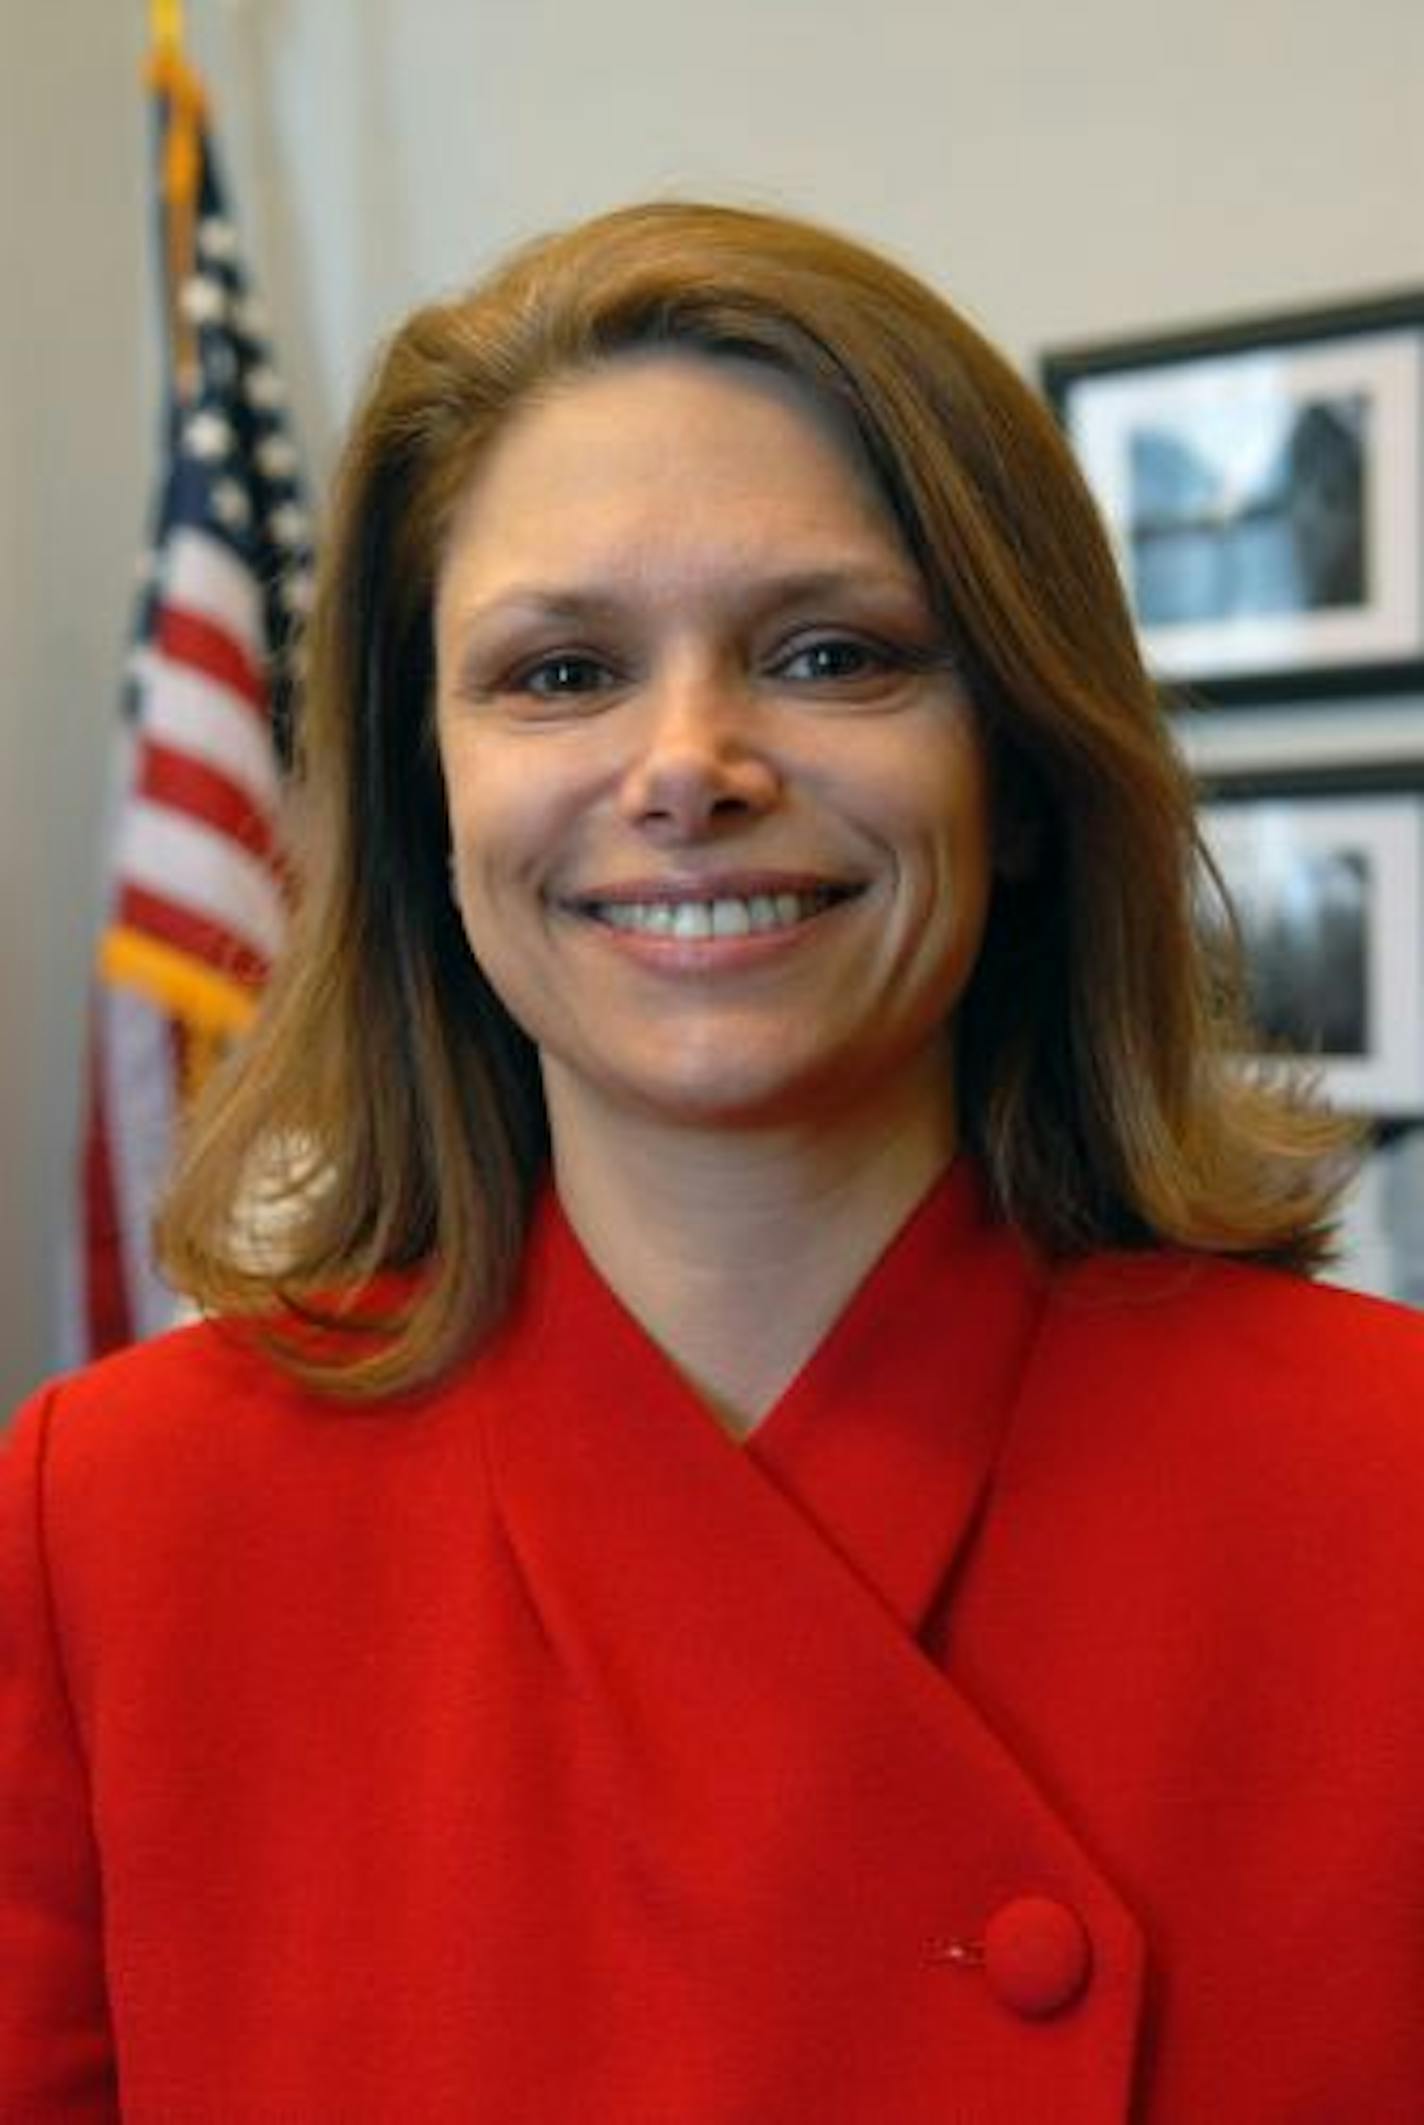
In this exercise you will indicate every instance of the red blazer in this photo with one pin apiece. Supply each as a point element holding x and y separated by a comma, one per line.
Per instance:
<point>1027,1724</point>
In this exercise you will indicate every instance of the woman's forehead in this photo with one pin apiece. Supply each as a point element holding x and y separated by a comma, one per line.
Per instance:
<point>666,461</point>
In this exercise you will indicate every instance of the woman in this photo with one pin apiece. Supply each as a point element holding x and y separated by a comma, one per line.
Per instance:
<point>767,1536</point>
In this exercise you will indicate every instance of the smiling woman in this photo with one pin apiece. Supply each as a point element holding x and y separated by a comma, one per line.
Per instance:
<point>1090,1063</point>
<point>767,1535</point>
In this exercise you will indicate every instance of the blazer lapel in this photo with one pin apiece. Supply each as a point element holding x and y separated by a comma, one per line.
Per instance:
<point>886,1440</point>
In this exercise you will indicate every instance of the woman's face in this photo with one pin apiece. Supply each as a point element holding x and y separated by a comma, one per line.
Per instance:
<point>719,810</point>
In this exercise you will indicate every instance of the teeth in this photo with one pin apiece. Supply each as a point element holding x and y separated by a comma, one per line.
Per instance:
<point>692,918</point>
<point>731,918</point>
<point>724,917</point>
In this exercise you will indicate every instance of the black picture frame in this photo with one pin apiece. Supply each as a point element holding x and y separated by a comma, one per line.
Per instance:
<point>1263,485</point>
<point>1328,893</point>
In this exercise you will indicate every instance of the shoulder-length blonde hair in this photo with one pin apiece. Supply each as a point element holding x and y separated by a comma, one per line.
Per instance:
<point>388,1107</point>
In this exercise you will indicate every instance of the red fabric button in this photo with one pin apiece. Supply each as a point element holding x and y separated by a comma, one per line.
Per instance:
<point>1037,1956</point>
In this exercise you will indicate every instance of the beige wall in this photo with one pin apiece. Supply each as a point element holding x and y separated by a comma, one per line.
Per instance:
<point>1065,173</point>
<point>75,421</point>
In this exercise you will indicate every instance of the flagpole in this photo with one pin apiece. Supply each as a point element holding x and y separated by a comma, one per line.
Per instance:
<point>166,27</point>
<point>183,108</point>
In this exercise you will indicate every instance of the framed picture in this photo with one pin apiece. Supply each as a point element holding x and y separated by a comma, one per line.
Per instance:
<point>1263,485</point>
<point>1329,895</point>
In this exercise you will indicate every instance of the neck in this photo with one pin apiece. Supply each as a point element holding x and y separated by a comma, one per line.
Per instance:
<point>736,1250</point>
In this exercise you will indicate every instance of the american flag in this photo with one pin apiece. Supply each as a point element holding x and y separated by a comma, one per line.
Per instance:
<point>199,889</point>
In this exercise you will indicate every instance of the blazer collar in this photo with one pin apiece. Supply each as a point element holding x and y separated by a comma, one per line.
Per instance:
<point>730,1633</point>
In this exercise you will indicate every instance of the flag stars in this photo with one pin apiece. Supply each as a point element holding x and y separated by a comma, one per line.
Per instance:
<point>249,316</point>
<point>217,239</point>
<point>276,457</point>
<point>203,300</point>
<point>230,505</point>
<point>263,388</point>
<point>288,525</point>
<point>296,591</point>
<point>208,436</point>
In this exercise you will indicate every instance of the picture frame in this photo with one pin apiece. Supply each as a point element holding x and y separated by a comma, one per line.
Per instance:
<point>1328,893</point>
<point>1263,486</point>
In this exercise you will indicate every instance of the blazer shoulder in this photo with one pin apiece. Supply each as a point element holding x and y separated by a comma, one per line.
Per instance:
<point>1171,1287</point>
<point>1203,1338</point>
<point>207,1398</point>
<point>168,1381</point>
<point>114,1432</point>
<point>169,1468</point>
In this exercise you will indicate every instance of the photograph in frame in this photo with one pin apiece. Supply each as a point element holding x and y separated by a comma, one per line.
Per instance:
<point>1327,895</point>
<point>1263,487</point>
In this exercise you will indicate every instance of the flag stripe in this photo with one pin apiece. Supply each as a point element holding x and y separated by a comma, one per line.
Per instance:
<point>202,575</point>
<point>107,1321</point>
<point>141,1097</point>
<point>168,855</point>
<point>169,777</point>
<point>209,942</point>
<point>191,715</point>
<point>203,645</point>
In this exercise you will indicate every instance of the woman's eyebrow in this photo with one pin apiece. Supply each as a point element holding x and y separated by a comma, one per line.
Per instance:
<point>572,603</point>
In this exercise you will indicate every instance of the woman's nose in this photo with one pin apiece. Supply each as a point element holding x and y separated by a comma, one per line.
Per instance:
<point>699,763</point>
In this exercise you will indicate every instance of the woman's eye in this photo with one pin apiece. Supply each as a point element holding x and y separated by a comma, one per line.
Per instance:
<point>832,657</point>
<point>557,677</point>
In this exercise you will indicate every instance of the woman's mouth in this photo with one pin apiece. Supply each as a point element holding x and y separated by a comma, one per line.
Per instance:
<point>696,918</point>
